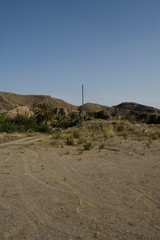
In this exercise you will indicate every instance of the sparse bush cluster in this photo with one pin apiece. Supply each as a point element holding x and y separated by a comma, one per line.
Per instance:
<point>87,145</point>
<point>99,133</point>
<point>90,134</point>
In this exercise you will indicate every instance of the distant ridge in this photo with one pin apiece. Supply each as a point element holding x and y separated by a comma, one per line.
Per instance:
<point>132,106</point>
<point>94,107</point>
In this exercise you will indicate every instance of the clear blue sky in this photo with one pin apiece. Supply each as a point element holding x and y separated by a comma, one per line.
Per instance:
<point>51,47</point>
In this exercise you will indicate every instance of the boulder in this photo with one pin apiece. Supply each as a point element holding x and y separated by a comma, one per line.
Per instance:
<point>21,110</point>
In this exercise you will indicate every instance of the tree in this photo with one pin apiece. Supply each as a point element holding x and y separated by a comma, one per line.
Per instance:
<point>59,121</point>
<point>75,119</point>
<point>44,113</point>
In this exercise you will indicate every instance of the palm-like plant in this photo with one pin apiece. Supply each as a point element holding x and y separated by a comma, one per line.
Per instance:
<point>75,119</point>
<point>59,121</point>
<point>44,113</point>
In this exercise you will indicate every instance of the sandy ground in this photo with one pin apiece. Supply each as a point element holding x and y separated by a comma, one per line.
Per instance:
<point>49,192</point>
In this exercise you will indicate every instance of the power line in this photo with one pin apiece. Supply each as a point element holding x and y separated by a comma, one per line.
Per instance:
<point>92,98</point>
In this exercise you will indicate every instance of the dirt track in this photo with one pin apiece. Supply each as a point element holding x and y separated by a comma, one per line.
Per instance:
<point>60,193</point>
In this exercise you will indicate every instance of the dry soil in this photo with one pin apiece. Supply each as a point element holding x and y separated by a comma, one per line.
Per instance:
<point>50,192</point>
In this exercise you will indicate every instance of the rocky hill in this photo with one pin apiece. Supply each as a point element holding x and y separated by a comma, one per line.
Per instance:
<point>131,106</point>
<point>135,111</point>
<point>126,110</point>
<point>93,107</point>
<point>9,101</point>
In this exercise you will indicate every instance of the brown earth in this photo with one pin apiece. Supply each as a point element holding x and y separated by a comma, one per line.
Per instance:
<point>63,192</point>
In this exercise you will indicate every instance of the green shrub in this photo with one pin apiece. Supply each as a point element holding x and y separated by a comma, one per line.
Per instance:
<point>70,141</point>
<point>45,129</point>
<point>8,127</point>
<point>25,123</point>
<point>87,146</point>
<point>74,119</point>
<point>3,117</point>
<point>22,124</point>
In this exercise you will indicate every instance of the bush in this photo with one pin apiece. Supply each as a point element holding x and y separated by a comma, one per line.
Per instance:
<point>70,141</point>
<point>87,145</point>
<point>25,123</point>
<point>8,127</point>
<point>44,129</point>
<point>21,124</point>
<point>3,117</point>
<point>74,119</point>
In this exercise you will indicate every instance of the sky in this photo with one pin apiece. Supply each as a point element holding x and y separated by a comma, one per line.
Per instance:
<point>52,47</point>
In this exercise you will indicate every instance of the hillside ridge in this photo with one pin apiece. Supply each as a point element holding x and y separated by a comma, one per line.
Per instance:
<point>124,110</point>
<point>9,101</point>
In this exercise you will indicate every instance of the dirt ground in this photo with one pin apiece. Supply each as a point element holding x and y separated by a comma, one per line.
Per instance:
<point>50,192</point>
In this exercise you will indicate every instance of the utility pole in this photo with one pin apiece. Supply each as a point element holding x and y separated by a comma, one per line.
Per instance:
<point>82,102</point>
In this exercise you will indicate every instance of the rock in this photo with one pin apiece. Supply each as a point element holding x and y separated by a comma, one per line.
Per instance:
<point>21,110</point>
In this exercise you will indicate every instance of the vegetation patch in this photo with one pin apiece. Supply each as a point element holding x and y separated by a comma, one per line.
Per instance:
<point>87,145</point>
<point>70,141</point>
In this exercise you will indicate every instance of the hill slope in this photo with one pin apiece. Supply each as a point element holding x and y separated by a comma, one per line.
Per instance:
<point>9,101</point>
<point>126,110</point>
